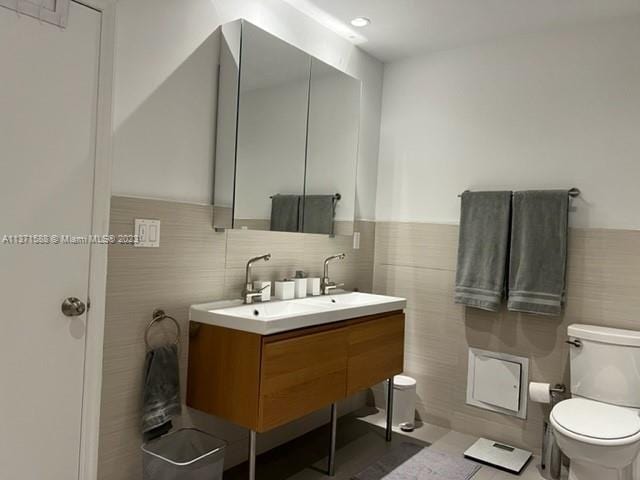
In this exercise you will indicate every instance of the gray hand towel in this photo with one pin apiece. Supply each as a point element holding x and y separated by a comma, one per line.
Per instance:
<point>538,251</point>
<point>482,249</point>
<point>285,213</point>
<point>161,391</point>
<point>319,211</point>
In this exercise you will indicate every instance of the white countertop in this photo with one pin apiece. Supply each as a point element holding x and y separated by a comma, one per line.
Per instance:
<point>283,315</point>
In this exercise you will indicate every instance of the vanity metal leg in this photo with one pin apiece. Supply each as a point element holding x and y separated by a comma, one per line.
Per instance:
<point>389,409</point>
<point>331,470</point>
<point>252,455</point>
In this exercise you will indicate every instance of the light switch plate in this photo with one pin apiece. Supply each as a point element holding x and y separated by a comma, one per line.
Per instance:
<point>148,232</point>
<point>356,240</point>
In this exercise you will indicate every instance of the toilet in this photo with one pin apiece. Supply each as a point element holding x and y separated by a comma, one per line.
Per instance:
<point>598,428</point>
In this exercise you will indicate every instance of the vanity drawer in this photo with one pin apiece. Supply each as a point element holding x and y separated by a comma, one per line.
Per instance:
<point>376,351</point>
<point>301,374</point>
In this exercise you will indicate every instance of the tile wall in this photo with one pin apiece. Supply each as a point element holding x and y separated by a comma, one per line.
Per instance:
<point>194,264</point>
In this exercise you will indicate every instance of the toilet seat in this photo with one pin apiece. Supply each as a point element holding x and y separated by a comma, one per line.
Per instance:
<point>596,423</point>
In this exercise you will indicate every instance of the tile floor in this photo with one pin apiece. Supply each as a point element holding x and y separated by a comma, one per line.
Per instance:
<point>360,443</point>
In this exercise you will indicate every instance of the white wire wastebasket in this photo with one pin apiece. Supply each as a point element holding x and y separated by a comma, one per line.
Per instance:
<point>186,454</point>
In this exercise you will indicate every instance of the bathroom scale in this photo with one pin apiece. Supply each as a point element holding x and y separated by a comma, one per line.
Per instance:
<point>498,455</point>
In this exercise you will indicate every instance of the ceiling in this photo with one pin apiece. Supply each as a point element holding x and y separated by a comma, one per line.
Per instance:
<point>403,28</point>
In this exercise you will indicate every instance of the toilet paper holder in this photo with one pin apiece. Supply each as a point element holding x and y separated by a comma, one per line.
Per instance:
<point>548,442</point>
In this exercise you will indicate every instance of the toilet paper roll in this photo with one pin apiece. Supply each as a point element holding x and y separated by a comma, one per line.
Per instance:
<point>540,392</point>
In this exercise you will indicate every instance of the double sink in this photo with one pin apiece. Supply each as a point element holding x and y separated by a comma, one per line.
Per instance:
<point>283,315</point>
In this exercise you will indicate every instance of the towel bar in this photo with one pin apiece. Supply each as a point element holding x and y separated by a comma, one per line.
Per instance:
<point>573,192</point>
<point>336,197</point>
<point>158,316</point>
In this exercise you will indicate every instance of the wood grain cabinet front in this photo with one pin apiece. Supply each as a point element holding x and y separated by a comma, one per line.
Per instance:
<point>261,382</point>
<point>376,351</point>
<point>302,374</point>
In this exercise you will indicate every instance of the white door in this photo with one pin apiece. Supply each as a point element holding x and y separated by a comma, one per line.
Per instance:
<point>48,96</point>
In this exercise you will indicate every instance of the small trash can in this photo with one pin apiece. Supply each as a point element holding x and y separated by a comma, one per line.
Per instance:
<point>186,454</point>
<point>404,399</point>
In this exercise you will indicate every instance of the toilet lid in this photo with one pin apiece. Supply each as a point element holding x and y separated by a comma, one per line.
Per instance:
<point>596,419</point>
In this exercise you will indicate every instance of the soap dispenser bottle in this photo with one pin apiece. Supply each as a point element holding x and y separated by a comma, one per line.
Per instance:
<point>300,281</point>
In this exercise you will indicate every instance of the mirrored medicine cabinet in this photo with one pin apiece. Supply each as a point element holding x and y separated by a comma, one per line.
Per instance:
<point>287,137</point>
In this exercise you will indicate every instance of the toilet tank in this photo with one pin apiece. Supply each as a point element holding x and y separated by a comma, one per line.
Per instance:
<point>605,365</point>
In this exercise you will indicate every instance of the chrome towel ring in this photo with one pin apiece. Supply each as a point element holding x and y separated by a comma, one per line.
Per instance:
<point>158,316</point>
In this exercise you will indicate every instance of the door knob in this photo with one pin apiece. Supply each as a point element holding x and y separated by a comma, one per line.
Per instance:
<point>73,307</point>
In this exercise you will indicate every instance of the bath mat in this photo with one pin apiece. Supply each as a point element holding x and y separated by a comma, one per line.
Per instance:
<point>416,462</point>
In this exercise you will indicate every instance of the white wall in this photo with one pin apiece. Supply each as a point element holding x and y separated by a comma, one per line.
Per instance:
<point>164,112</point>
<point>558,109</point>
<point>165,92</point>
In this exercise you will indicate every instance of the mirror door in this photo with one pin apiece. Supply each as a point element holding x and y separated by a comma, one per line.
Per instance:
<point>272,132</point>
<point>332,150</point>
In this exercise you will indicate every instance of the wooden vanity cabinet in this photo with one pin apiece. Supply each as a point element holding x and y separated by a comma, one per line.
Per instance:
<point>376,351</point>
<point>264,381</point>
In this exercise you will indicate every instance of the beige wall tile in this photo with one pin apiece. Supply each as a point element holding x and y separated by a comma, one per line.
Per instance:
<point>416,245</point>
<point>418,261</point>
<point>193,264</point>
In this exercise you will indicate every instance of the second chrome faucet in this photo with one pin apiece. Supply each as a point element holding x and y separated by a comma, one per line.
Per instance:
<point>327,285</point>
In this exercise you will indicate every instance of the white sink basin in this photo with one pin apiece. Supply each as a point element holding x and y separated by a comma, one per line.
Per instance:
<point>270,311</point>
<point>281,316</point>
<point>346,300</point>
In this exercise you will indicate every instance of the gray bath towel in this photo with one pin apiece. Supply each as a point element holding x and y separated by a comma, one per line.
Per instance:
<point>319,211</point>
<point>161,390</point>
<point>482,249</point>
<point>285,213</point>
<point>538,251</point>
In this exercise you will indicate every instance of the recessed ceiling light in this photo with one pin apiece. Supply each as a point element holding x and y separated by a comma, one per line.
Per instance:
<point>360,22</point>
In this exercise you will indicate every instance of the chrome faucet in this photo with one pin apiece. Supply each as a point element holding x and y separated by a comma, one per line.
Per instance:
<point>249,294</point>
<point>327,285</point>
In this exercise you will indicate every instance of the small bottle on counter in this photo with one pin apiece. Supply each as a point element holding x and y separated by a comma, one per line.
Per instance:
<point>313,286</point>
<point>285,289</point>
<point>300,281</point>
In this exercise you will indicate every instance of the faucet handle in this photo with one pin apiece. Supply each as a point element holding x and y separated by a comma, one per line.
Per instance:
<point>331,286</point>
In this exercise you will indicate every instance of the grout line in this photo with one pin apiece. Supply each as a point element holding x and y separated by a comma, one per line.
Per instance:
<point>419,267</point>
